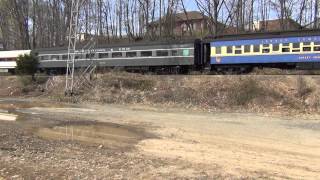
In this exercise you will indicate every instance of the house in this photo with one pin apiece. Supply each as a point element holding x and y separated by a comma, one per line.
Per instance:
<point>192,21</point>
<point>277,25</point>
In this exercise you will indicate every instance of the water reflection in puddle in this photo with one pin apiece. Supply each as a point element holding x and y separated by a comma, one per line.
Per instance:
<point>104,134</point>
<point>5,116</point>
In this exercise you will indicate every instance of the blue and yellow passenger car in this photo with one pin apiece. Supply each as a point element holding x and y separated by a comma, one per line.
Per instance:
<point>300,51</point>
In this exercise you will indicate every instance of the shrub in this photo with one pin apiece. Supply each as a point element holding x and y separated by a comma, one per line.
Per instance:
<point>25,80</point>
<point>302,88</point>
<point>27,65</point>
<point>243,92</point>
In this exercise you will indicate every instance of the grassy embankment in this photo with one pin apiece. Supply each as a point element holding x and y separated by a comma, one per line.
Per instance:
<point>250,93</point>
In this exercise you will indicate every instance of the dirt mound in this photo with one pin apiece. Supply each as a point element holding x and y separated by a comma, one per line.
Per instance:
<point>262,93</point>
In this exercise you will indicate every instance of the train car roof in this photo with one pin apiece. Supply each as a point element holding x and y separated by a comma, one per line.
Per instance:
<point>13,54</point>
<point>263,35</point>
<point>115,45</point>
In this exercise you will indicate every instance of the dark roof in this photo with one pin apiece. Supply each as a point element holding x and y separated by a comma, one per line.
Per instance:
<point>191,15</point>
<point>286,21</point>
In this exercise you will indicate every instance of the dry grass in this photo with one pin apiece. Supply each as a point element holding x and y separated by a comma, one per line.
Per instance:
<point>303,89</point>
<point>252,93</point>
<point>261,93</point>
<point>242,93</point>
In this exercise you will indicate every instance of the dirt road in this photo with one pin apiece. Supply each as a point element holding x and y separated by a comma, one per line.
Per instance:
<point>134,142</point>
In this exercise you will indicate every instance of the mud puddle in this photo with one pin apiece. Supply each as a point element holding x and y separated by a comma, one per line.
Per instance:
<point>13,105</point>
<point>34,118</point>
<point>105,134</point>
<point>5,116</point>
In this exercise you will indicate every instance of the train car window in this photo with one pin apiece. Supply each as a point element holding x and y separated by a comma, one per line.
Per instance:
<point>45,57</point>
<point>146,53</point>
<point>174,53</point>
<point>103,55</point>
<point>275,47</point>
<point>316,48</point>
<point>265,50</point>
<point>295,45</point>
<point>116,54</point>
<point>186,52</point>
<point>256,48</point>
<point>285,49</point>
<point>316,43</point>
<point>265,45</point>
<point>229,49</point>
<point>77,56</point>
<point>247,48</point>
<point>238,51</point>
<point>54,57</point>
<point>307,43</point>
<point>65,57</point>
<point>306,48</point>
<point>218,50</point>
<point>162,53</point>
<point>131,54</point>
<point>285,44</point>
<point>191,52</point>
<point>90,56</point>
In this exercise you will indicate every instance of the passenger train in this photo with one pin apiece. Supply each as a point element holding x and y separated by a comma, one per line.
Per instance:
<point>222,54</point>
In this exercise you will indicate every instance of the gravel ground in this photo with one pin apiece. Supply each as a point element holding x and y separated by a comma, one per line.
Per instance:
<point>141,142</point>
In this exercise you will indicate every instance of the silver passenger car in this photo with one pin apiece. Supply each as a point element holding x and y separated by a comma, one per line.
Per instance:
<point>154,55</point>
